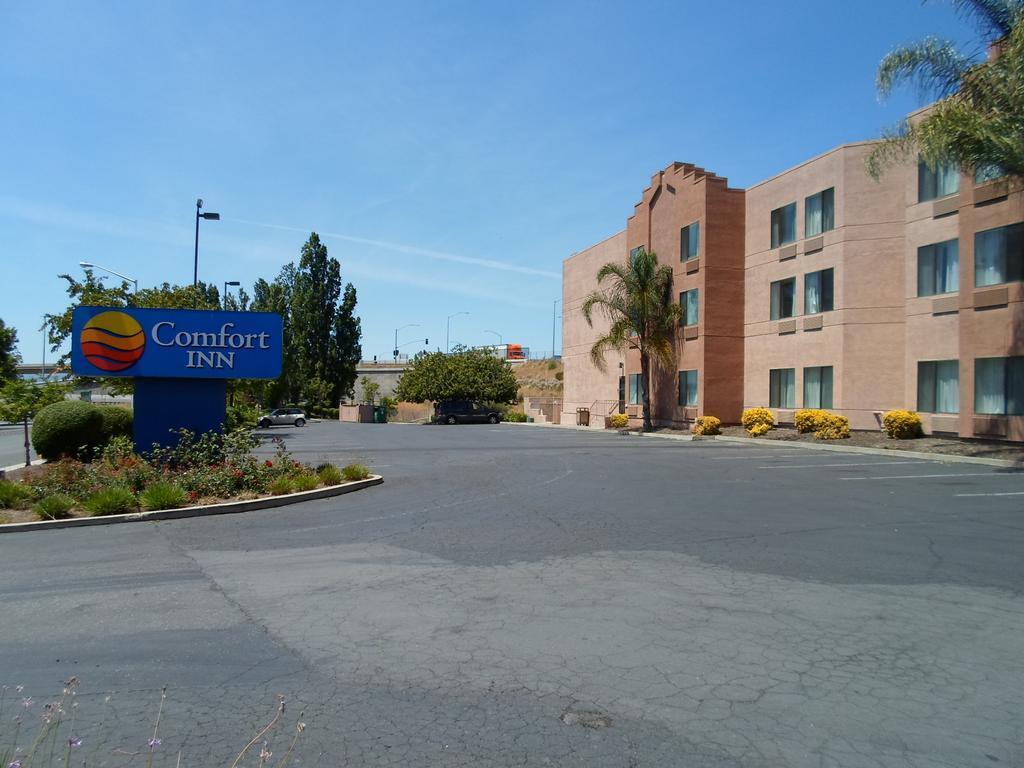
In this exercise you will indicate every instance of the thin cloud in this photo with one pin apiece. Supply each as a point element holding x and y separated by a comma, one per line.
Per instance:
<point>503,266</point>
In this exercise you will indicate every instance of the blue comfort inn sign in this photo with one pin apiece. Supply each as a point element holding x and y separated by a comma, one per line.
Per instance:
<point>180,360</point>
<point>175,343</point>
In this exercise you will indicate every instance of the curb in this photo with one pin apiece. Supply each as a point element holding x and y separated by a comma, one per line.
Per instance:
<point>943,458</point>
<point>16,467</point>
<point>226,508</point>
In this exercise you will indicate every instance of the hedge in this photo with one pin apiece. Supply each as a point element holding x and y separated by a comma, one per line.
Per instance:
<point>62,429</point>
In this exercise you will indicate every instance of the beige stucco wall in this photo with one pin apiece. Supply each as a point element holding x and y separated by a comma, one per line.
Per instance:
<point>583,383</point>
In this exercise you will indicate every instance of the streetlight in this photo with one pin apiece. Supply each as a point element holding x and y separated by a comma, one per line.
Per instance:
<point>208,217</point>
<point>410,325</point>
<point>90,265</point>
<point>226,284</point>
<point>496,334</point>
<point>448,329</point>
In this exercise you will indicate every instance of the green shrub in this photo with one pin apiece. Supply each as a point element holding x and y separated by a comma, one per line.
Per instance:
<point>354,472</point>
<point>832,426</point>
<point>56,507</point>
<point>902,425</point>
<point>118,450</point>
<point>13,495</point>
<point>117,422</point>
<point>115,500</point>
<point>281,486</point>
<point>707,425</point>
<point>516,417</point>
<point>63,429</point>
<point>240,416</point>
<point>305,482</point>
<point>552,365</point>
<point>329,474</point>
<point>163,495</point>
<point>618,421</point>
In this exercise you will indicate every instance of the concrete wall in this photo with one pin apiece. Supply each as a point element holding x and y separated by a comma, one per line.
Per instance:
<point>385,374</point>
<point>584,383</point>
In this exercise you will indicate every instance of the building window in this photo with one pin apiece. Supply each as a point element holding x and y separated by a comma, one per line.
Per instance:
<point>933,183</point>
<point>938,386</point>
<point>689,241</point>
<point>999,255</point>
<point>633,254</point>
<point>636,388</point>
<point>938,268</point>
<point>690,302</point>
<point>783,298</point>
<point>818,387</point>
<point>687,387</point>
<point>988,172</point>
<point>820,213</point>
<point>784,225</point>
<point>782,388</point>
<point>818,292</point>
<point>999,386</point>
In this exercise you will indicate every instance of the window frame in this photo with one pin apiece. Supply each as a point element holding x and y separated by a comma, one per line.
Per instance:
<point>928,181</point>
<point>776,385</point>
<point>1011,264</point>
<point>684,297</point>
<point>775,299</point>
<point>822,401</point>
<point>828,222</point>
<point>822,294</point>
<point>686,235</point>
<point>932,251</point>
<point>685,390</point>
<point>981,173</point>
<point>636,389</point>
<point>924,399</point>
<point>1013,372</point>
<point>778,234</point>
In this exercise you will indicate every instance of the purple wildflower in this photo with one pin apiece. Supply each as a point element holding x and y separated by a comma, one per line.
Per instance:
<point>14,764</point>
<point>75,742</point>
<point>27,702</point>
<point>154,743</point>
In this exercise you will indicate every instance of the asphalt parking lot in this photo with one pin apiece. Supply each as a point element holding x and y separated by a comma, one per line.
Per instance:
<point>520,595</point>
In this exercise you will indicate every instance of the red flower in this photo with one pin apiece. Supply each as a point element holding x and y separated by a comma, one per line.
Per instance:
<point>269,463</point>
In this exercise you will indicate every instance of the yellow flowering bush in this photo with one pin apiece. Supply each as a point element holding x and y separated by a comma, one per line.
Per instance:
<point>752,417</point>
<point>618,421</point>
<point>809,419</point>
<point>758,429</point>
<point>832,426</point>
<point>707,425</point>
<point>901,424</point>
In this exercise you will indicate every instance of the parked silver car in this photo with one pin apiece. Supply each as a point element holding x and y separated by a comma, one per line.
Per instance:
<point>283,417</point>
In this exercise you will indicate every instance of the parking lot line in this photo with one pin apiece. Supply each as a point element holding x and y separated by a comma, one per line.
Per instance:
<point>1006,493</point>
<point>848,464</point>
<point>914,477</point>
<point>759,454</point>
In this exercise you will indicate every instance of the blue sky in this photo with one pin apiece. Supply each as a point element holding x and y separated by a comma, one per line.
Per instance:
<point>450,154</point>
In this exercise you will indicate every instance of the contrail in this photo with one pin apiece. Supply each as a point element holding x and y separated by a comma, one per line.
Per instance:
<point>401,248</point>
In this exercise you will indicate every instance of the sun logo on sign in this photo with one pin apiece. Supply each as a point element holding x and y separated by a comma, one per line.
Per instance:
<point>113,341</point>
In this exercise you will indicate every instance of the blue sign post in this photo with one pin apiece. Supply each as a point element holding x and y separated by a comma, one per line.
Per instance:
<point>180,358</point>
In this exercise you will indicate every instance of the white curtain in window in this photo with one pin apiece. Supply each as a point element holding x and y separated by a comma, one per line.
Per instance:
<point>812,387</point>
<point>789,388</point>
<point>990,257</point>
<point>947,386</point>
<point>947,265</point>
<point>812,212</point>
<point>692,307</point>
<point>989,385</point>
<point>947,179</point>
<point>812,293</point>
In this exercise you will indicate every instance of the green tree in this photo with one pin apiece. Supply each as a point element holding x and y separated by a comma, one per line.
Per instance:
<point>9,359</point>
<point>465,374</point>
<point>978,119</point>
<point>370,389</point>
<point>636,297</point>
<point>21,400</point>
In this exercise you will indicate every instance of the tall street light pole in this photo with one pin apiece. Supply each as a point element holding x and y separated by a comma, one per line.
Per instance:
<point>496,334</point>
<point>410,325</point>
<point>90,265</point>
<point>448,331</point>
<point>209,217</point>
<point>226,284</point>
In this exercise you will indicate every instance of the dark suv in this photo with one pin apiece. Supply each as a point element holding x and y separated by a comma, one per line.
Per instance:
<point>465,412</point>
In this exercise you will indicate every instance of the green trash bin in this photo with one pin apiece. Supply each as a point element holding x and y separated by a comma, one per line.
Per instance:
<point>380,414</point>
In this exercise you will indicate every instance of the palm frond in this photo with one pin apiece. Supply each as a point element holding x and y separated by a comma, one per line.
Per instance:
<point>934,66</point>
<point>994,18</point>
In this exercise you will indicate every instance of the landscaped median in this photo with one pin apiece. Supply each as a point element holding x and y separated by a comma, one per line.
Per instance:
<point>203,475</point>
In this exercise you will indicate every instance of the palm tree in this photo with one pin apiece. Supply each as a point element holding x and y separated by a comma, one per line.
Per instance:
<point>978,119</point>
<point>637,299</point>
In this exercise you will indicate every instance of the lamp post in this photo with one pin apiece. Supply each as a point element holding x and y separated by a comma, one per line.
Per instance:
<point>448,330</point>
<point>209,217</point>
<point>496,334</point>
<point>410,325</point>
<point>226,284</point>
<point>90,265</point>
